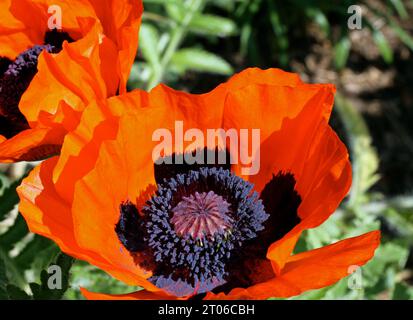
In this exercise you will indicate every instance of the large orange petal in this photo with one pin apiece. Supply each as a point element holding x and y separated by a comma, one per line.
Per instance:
<point>43,141</point>
<point>99,123</point>
<point>81,146</point>
<point>53,84</point>
<point>31,145</point>
<point>13,38</point>
<point>138,295</point>
<point>294,111</point>
<point>122,172</point>
<point>121,21</point>
<point>256,76</point>
<point>313,269</point>
<point>46,213</point>
<point>322,183</point>
<point>49,215</point>
<point>19,31</point>
<point>295,137</point>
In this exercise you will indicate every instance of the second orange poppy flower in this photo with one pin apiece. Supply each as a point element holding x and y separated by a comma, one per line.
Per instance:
<point>55,57</point>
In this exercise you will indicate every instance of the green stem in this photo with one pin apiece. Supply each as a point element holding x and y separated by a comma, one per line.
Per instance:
<point>178,34</point>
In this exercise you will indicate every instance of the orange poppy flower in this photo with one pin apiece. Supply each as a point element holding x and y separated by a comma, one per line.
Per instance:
<point>55,56</point>
<point>181,230</point>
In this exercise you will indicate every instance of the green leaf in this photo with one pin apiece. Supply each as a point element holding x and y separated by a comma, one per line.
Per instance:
<point>394,253</point>
<point>37,291</point>
<point>15,293</point>
<point>207,24</point>
<point>338,291</point>
<point>312,295</point>
<point>44,291</point>
<point>280,30</point>
<point>402,292</point>
<point>201,61</point>
<point>148,44</point>
<point>14,234</point>
<point>95,279</point>
<point>397,220</point>
<point>3,281</point>
<point>175,10</point>
<point>341,52</point>
<point>245,39</point>
<point>320,18</point>
<point>39,249</point>
<point>9,198</point>
<point>400,8</point>
<point>9,291</point>
<point>4,181</point>
<point>140,74</point>
<point>43,260</point>
<point>14,275</point>
<point>402,34</point>
<point>383,46</point>
<point>224,4</point>
<point>365,159</point>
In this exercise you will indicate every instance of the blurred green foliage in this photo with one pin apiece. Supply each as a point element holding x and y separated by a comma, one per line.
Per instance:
<point>175,39</point>
<point>173,32</point>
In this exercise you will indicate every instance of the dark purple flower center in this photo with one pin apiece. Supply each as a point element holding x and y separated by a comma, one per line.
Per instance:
<point>15,78</point>
<point>205,229</point>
